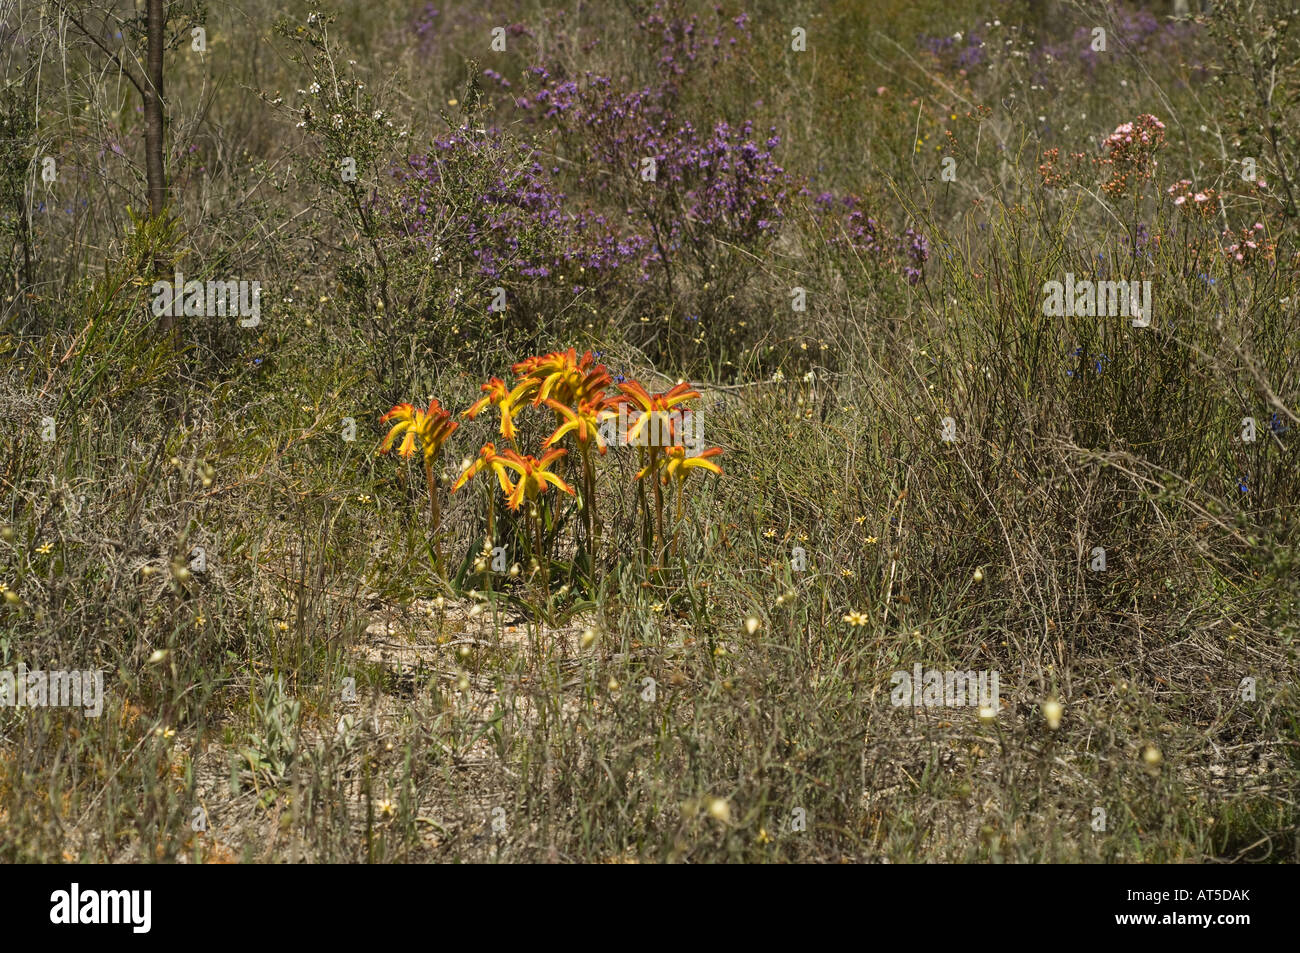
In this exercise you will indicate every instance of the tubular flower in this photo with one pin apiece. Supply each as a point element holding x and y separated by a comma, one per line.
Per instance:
<point>678,464</point>
<point>433,426</point>
<point>564,376</point>
<point>656,409</point>
<point>534,475</point>
<point>675,463</point>
<point>505,399</point>
<point>487,457</point>
<point>585,422</point>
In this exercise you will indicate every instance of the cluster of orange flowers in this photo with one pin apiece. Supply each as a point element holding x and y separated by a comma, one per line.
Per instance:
<point>1128,161</point>
<point>1054,175</point>
<point>576,389</point>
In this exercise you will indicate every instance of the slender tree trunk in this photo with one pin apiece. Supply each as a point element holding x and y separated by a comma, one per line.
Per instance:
<point>155,172</point>
<point>153,109</point>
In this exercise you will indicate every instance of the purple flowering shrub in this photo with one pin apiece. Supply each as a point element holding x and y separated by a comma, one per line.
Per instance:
<point>683,191</point>
<point>480,210</point>
<point>439,225</point>
<point>865,242</point>
<point>514,223</point>
<point>684,50</point>
<point>1002,58</point>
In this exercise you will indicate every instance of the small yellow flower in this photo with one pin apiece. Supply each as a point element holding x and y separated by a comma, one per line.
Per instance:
<point>763,837</point>
<point>847,573</point>
<point>363,498</point>
<point>752,624</point>
<point>769,534</point>
<point>1052,712</point>
<point>385,808</point>
<point>657,608</point>
<point>200,621</point>
<point>872,540</point>
<point>856,618</point>
<point>720,810</point>
<point>283,626</point>
<point>45,548</point>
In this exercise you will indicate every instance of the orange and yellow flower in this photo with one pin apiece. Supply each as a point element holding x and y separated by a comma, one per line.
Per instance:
<point>534,476</point>
<point>489,458</point>
<point>585,422</point>
<point>656,409</point>
<point>564,376</point>
<point>506,400</point>
<point>675,463</point>
<point>432,426</point>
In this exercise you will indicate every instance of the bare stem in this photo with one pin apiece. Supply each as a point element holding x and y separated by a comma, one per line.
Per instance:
<point>432,480</point>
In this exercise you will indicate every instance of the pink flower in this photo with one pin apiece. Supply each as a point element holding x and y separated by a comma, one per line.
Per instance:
<point>1201,197</point>
<point>1180,200</point>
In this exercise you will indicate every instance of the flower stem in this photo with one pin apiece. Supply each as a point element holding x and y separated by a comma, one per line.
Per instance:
<point>432,480</point>
<point>660,542</point>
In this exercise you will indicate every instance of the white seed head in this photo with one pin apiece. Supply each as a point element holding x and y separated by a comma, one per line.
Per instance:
<point>1052,710</point>
<point>720,810</point>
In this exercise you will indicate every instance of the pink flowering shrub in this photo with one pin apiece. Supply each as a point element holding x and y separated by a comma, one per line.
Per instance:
<point>1130,158</point>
